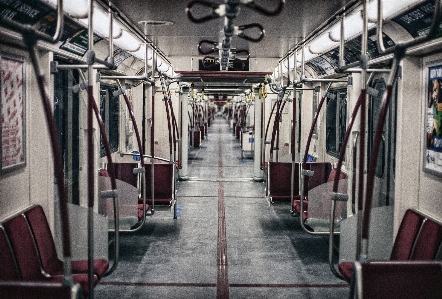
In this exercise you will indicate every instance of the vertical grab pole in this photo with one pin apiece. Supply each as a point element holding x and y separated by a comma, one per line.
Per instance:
<point>111,171</point>
<point>336,179</point>
<point>90,154</point>
<point>184,123</point>
<point>362,151</point>
<point>152,133</point>
<point>140,150</point>
<point>304,160</point>
<point>257,172</point>
<point>293,149</point>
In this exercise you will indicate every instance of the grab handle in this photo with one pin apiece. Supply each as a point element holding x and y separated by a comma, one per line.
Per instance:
<point>262,10</point>
<point>216,11</point>
<point>240,32</point>
<point>212,50</point>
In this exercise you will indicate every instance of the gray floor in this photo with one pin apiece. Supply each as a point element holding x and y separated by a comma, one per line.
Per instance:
<point>268,254</point>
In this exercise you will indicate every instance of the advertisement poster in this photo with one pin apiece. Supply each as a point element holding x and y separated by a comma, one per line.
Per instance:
<point>433,130</point>
<point>12,112</point>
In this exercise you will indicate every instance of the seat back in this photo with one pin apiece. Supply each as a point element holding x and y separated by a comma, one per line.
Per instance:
<point>408,230</point>
<point>8,269</point>
<point>22,242</point>
<point>391,280</point>
<point>321,173</point>
<point>33,290</point>
<point>428,241</point>
<point>163,182</point>
<point>43,238</point>
<point>124,172</point>
<point>280,174</point>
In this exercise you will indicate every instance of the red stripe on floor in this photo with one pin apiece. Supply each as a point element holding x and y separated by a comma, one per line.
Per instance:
<point>222,282</point>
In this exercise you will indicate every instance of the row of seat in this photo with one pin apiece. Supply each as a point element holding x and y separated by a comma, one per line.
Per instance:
<point>316,187</point>
<point>163,186</point>
<point>28,252</point>
<point>418,239</point>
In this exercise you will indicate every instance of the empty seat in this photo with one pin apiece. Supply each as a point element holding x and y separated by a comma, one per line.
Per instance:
<point>418,239</point>
<point>163,184</point>
<point>124,172</point>
<point>280,174</point>
<point>27,257</point>
<point>403,244</point>
<point>39,290</point>
<point>397,280</point>
<point>408,230</point>
<point>8,269</point>
<point>322,174</point>
<point>47,250</point>
<point>428,241</point>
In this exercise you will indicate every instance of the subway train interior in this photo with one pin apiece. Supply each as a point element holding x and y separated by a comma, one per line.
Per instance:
<point>221,149</point>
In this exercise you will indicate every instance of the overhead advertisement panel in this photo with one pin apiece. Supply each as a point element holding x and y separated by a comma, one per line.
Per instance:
<point>417,21</point>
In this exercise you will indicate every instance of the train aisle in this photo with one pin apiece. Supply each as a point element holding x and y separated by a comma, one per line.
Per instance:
<point>226,242</point>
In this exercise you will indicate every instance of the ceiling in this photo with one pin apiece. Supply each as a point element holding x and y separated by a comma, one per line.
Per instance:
<point>282,32</point>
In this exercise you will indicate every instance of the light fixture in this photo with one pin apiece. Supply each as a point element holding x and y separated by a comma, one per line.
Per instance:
<point>276,73</point>
<point>162,66</point>
<point>101,24</point>
<point>141,53</point>
<point>352,27</point>
<point>322,43</point>
<point>308,55</point>
<point>76,8</point>
<point>127,41</point>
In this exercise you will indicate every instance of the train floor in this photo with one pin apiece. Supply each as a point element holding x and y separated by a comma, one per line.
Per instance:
<point>226,243</point>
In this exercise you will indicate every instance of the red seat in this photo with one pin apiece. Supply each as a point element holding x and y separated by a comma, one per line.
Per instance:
<point>28,260</point>
<point>322,173</point>
<point>47,250</point>
<point>280,174</point>
<point>417,239</point>
<point>124,172</point>
<point>163,184</point>
<point>8,269</point>
<point>427,242</point>
<point>406,235</point>
<point>397,280</point>
<point>39,290</point>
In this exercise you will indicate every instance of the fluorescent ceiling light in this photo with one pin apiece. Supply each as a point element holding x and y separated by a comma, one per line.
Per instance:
<point>322,43</point>
<point>352,27</point>
<point>141,53</point>
<point>308,55</point>
<point>276,73</point>
<point>127,41</point>
<point>101,24</point>
<point>76,8</point>
<point>162,66</point>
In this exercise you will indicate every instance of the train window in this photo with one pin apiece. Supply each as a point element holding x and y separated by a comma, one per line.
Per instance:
<point>110,112</point>
<point>67,107</point>
<point>336,121</point>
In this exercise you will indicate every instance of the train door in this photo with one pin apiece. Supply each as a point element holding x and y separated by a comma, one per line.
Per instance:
<point>67,119</point>
<point>383,193</point>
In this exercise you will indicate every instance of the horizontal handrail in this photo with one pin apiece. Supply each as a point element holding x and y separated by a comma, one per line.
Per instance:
<point>146,156</point>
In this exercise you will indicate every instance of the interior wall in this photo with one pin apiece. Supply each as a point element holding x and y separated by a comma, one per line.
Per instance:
<point>33,184</point>
<point>414,187</point>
